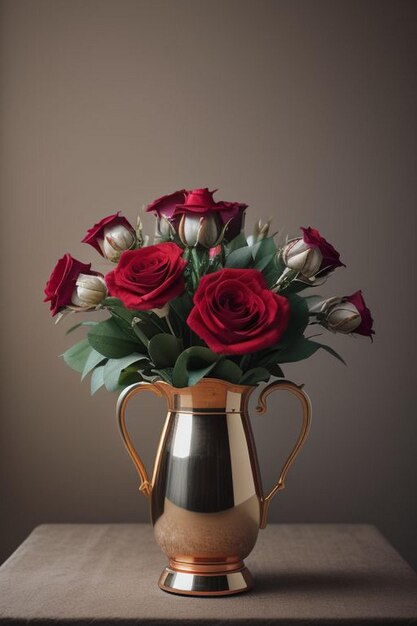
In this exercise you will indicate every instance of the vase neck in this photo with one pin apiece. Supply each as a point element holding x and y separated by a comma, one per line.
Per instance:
<point>209,395</point>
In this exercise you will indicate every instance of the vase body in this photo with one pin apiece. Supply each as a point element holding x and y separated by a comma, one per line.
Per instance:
<point>206,497</point>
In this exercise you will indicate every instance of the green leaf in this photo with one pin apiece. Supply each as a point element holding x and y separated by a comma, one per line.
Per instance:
<point>182,306</point>
<point>164,350</point>
<point>114,367</point>
<point>226,370</point>
<point>97,379</point>
<point>129,375</point>
<point>275,370</point>
<point>240,258</point>
<point>299,318</point>
<point>266,248</point>
<point>150,324</point>
<point>192,365</point>
<point>255,376</point>
<point>273,270</point>
<point>87,323</point>
<point>109,339</point>
<point>330,351</point>
<point>236,243</point>
<point>165,374</point>
<point>76,356</point>
<point>94,359</point>
<point>300,349</point>
<point>264,262</point>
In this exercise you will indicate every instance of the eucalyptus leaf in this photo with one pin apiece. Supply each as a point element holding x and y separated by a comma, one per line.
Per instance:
<point>241,258</point>
<point>129,375</point>
<point>165,374</point>
<point>264,248</point>
<point>164,350</point>
<point>76,356</point>
<point>264,262</point>
<point>94,359</point>
<point>114,367</point>
<point>97,379</point>
<point>236,243</point>
<point>111,341</point>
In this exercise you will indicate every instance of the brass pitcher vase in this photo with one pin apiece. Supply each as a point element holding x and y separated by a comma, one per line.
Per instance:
<point>207,503</point>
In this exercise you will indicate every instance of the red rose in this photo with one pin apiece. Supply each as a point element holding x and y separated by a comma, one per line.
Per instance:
<point>61,284</point>
<point>331,258</point>
<point>111,236</point>
<point>166,205</point>
<point>200,203</point>
<point>193,207</point>
<point>236,313</point>
<point>365,327</point>
<point>147,278</point>
<point>164,209</point>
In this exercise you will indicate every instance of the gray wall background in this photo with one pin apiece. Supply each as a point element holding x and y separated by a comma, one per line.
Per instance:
<point>306,111</point>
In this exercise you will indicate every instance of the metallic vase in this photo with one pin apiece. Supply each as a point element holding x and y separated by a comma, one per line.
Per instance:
<point>207,503</point>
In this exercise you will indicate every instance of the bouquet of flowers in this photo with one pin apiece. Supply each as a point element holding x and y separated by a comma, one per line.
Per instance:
<point>203,301</point>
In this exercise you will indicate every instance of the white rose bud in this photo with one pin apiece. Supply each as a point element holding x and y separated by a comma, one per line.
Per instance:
<point>197,229</point>
<point>260,231</point>
<point>116,240</point>
<point>89,291</point>
<point>301,257</point>
<point>343,317</point>
<point>163,229</point>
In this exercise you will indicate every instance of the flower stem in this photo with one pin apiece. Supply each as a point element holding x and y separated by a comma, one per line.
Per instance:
<point>168,321</point>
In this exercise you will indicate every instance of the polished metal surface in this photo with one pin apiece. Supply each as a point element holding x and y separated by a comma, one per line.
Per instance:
<point>185,583</point>
<point>207,503</point>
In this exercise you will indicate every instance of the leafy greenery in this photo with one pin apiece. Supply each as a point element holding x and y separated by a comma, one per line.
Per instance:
<point>111,341</point>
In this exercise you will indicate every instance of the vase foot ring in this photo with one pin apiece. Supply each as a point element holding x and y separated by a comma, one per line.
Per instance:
<point>215,584</point>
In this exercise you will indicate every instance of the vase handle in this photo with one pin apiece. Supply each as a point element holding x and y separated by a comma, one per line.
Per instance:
<point>145,485</point>
<point>297,391</point>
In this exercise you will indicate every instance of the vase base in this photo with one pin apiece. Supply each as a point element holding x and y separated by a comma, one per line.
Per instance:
<point>199,584</point>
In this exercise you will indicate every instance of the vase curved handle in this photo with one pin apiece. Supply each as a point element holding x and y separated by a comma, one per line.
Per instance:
<point>296,390</point>
<point>145,485</point>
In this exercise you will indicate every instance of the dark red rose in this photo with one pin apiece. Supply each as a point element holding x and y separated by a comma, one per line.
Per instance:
<point>118,229</point>
<point>331,258</point>
<point>199,203</point>
<point>61,284</point>
<point>365,327</point>
<point>166,205</point>
<point>236,313</point>
<point>147,278</point>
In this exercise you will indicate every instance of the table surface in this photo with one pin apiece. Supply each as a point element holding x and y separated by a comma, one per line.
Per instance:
<point>304,574</point>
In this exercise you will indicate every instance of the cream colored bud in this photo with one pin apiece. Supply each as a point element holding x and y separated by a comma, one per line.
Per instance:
<point>163,311</point>
<point>89,291</point>
<point>116,240</point>
<point>197,229</point>
<point>343,317</point>
<point>301,257</point>
<point>163,229</point>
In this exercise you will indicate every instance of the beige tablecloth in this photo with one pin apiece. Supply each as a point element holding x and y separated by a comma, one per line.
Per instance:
<point>304,574</point>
